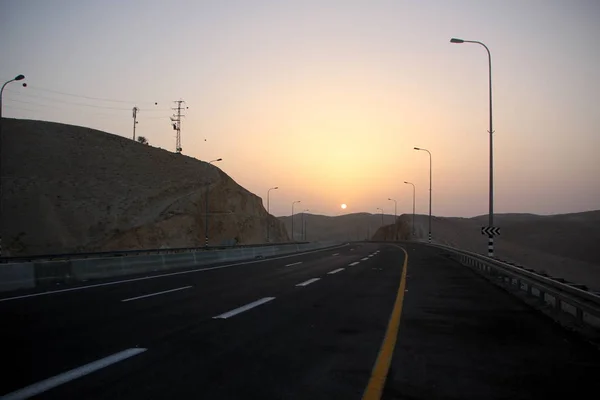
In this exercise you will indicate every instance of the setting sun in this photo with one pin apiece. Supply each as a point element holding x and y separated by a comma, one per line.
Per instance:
<point>344,206</point>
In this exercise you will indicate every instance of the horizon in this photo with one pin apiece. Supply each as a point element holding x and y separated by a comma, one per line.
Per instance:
<point>327,99</point>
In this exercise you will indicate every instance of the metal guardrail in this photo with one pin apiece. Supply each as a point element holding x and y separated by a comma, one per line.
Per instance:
<point>125,253</point>
<point>572,299</point>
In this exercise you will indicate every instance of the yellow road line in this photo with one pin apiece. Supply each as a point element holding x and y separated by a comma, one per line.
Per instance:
<point>380,370</point>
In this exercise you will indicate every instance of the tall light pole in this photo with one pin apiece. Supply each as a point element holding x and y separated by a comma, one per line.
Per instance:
<point>395,216</point>
<point>491,132</point>
<point>16,78</point>
<point>269,212</point>
<point>304,225</point>
<point>395,207</point>
<point>381,215</point>
<point>413,218</point>
<point>297,201</point>
<point>417,148</point>
<point>206,213</point>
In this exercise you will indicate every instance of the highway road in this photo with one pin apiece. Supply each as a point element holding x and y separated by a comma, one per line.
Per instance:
<point>310,326</point>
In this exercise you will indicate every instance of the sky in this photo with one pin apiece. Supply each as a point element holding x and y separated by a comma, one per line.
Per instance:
<point>327,99</point>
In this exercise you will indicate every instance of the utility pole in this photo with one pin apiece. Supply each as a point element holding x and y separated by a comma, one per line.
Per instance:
<point>176,120</point>
<point>135,111</point>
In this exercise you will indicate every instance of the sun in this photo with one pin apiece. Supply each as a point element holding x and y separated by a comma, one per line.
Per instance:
<point>344,206</point>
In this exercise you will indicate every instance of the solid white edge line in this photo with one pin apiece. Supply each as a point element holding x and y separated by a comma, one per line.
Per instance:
<point>156,294</point>
<point>241,309</point>
<point>292,264</point>
<point>50,383</point>
<point>335,271</point>
<point>353,264</point>
<point>308,282</point>
<point>162,275</point>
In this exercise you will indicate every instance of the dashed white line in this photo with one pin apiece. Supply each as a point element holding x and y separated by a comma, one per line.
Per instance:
<point>247,307</point>
<point>364,259</point>
<point>47,384</point>
<point>354,263</point>
<point>335,271</point>
<point>155,294</point>
<point>336,254</point>
<point>308,282</point>
<point>191,271</point>
<point>292,264</point>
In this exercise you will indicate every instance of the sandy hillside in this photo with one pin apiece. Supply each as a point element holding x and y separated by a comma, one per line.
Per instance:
<point>563,245</point>
<point>358,226</point>
<point>72,189</point>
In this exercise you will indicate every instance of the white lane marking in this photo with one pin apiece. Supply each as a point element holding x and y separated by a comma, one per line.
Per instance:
<point>156,294</point>
<point>353,264</point>
<point>308,282</point>
<point>247,307</point>
<point>161,275</point>
<point>351,249</point>
<point>47,384</point>
<point>296,263</point>
<point>336,254</point>
<point>335,271</point>
<point>370,255</point>
<point>364,259</point>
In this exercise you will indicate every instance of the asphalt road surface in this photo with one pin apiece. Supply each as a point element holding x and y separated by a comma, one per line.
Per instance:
<point>309,326</point>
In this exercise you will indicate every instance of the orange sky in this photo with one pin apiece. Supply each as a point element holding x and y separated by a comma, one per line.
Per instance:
<point>326,99</point>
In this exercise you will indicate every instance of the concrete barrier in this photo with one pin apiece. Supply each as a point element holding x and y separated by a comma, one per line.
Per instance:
<point>50,273</point>
<point>17,276</point>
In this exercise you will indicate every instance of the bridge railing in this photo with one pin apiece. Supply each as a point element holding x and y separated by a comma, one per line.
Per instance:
<point>569,299</point>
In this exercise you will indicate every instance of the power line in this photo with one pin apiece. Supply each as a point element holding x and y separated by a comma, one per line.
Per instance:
<point>88,97</point>
<point>75,103</point>
<point>19,108</point>
<point>90,112</point>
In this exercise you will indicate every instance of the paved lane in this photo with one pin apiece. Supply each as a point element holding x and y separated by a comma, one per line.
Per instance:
<point>66,330</point>
<point>463,338</point>
<point>308,326</point>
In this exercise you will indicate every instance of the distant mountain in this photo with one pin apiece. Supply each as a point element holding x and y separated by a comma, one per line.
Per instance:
<point>356,226</point>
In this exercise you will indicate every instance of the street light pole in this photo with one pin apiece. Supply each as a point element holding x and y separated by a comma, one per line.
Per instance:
<point>294,202</point>
<point>304,225</point>
<point>395,216</point>
<point>206,211</point>
<point>491,132</point>
<point>269,212</point>
<point>413,218</point>
<point>381,215</point>
<point>16,78</point>
<point>417,148</point>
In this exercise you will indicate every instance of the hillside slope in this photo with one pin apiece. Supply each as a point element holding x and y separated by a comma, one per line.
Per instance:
<point>73,189</point>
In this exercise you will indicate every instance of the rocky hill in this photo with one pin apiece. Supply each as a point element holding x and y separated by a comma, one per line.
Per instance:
<point>73,189</point>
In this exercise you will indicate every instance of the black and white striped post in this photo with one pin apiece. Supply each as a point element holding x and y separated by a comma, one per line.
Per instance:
<point>490,231</point>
